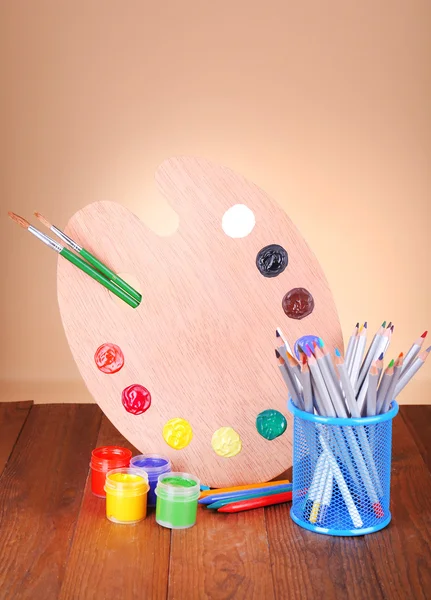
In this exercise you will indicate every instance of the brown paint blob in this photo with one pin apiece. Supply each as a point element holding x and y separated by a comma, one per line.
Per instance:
<point>298,303</point>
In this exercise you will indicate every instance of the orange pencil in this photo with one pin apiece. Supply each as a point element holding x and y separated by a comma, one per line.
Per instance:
<point>251,486</point>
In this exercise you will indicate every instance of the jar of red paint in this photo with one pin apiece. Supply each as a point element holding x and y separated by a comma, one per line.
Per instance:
<point>105,459</point>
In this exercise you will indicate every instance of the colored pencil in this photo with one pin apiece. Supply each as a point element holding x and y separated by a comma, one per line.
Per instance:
<point>231,495</point>
<point>76,260</point>
<point>331,381</point>
<point>238,488</point>
<point>320,489</point>
<point>413,351</point>
<point>398,365</point>
<point>327,497</point>
<point>95,262</point>
<point>384,386</point>
<point>411,371</point>
<point>289,380</point>
<point>351,346</point>
<point>256,503</point>
<point>279,333</point>
<point>370,356</point>
<point>371,400</point>
<point>246,495</point>
<point>344,490</point>
<point>358,355</point>
<point>354,410</point>
<point>306,386</point>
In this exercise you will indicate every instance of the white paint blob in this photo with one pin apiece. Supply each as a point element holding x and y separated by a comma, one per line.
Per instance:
<point>238,221</point>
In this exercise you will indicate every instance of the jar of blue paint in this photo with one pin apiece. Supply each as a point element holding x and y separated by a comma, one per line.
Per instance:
<point>154,465</point>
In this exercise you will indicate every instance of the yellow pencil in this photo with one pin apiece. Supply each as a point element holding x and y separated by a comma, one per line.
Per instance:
<point>251,486</point>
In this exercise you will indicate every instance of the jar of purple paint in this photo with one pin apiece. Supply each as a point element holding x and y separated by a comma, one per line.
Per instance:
<point>154,465</point>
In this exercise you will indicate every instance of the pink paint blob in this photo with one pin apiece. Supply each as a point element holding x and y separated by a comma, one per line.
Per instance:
<point>109,358</point>
<point>136,399</point>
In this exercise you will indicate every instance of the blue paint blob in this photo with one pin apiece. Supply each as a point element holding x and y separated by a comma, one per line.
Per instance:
<point>154,465</point>
<point>303,341</point>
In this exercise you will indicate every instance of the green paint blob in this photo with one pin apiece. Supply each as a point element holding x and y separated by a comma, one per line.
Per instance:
<point>271,424</point>
<point>179,482</point>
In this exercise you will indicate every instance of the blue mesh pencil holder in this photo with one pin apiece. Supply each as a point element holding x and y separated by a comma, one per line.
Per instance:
<point>341,472</point>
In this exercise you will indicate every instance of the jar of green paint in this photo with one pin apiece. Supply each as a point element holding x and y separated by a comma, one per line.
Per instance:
<point>177,500</point>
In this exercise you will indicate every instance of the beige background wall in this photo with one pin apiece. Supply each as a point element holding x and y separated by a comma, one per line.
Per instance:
<point>326,105</point>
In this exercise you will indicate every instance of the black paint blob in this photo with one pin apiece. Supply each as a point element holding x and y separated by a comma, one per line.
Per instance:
<point>272,260</point>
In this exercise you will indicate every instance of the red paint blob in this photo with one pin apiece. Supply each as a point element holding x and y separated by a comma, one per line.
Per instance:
<point>136,399</point>
<point>109,358</point>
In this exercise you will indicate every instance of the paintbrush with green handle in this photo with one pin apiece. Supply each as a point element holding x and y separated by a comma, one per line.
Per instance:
<point>76,260</point>
<point>91,259</point>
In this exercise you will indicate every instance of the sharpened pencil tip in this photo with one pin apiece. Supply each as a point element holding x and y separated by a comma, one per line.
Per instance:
<point>391,364</point>
<point>365,325</point>
<point>425,333</point>
<point>337,352</point>
<point>277,333</point>
<point>277,353</point>
<point>384,324</point>
<point>321,343</point>
<point>357,325</point>
<point>401,354</point>
<point>381,356</point>
<point>389,325</point>
<point>392,328</point>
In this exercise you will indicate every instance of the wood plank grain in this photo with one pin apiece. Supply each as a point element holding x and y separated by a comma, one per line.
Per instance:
<point>418,421</point>
<point>310,565</point>
<point>12,418</point>
<point>222,557</point>
<point>108,560</point>
<point>402,552</point>
<point>41,493</point>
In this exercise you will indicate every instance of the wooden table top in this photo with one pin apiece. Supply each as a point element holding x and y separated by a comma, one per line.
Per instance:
<point>55,541</point>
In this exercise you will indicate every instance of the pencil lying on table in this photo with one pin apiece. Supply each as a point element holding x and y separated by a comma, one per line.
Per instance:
<point>77,261</point>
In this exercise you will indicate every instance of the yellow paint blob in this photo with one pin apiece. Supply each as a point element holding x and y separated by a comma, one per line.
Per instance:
<point>177,433</point>
<point>126,497</point>
<point>226,442</point>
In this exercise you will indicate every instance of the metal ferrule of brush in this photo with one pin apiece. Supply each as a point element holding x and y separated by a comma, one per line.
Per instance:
<point>45,239</point>
<point>66,239</point>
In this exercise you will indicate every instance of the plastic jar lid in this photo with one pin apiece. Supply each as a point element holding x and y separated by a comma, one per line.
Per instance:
<point>126,482</point>
<point>110,457</point>
<point>153,464</point>
<point>178,487</point>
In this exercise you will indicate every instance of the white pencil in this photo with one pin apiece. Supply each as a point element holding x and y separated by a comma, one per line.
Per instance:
<point>372,391</point>
<point>358,356</point>
<point>370,357</point>
<point>354,410</point>
<point>414,351</point>
<point>342,486</point>
<point>384,386</point>
<point>398,366</point>
<point>279,333</point>
<point>351,346</point>
<point>411,371</point>
<point>306,387</point>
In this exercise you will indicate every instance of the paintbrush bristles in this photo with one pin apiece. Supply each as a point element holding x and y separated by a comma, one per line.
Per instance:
<point>42,219</point>
<point>25,224</point>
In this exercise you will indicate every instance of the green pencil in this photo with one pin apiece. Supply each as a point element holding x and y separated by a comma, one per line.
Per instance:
<point>249,494</point>
<point>76,260</point>
<point>109,274</point>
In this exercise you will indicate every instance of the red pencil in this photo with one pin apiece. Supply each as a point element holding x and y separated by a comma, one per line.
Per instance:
<point>256,503</point>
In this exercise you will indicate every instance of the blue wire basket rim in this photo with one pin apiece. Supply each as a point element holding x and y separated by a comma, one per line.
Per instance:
<point>392,412</point>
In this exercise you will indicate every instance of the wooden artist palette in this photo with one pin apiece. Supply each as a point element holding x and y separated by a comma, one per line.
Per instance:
<point>202,340</point>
